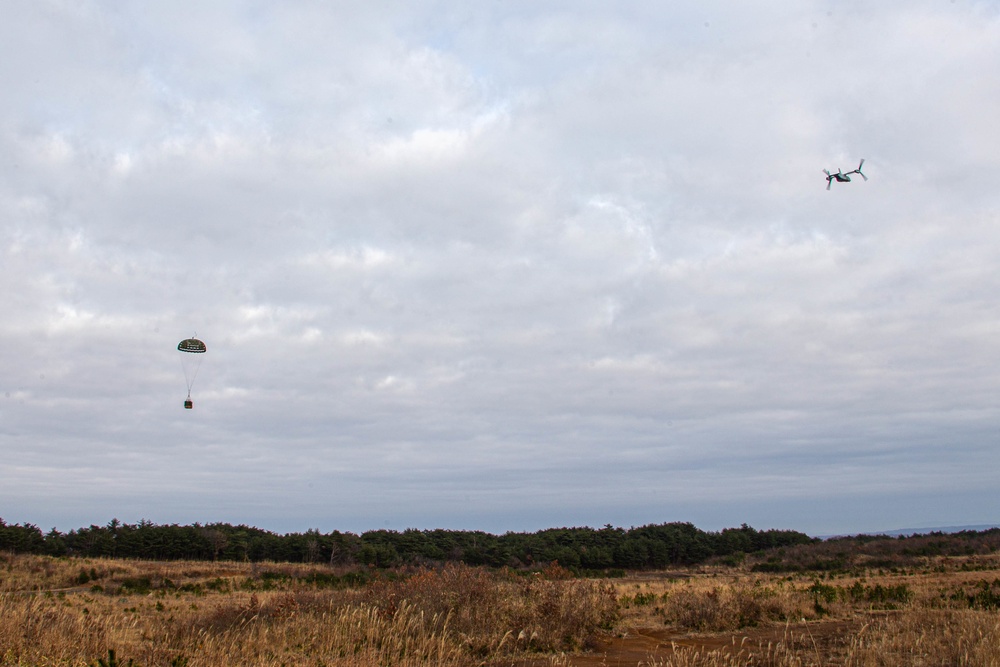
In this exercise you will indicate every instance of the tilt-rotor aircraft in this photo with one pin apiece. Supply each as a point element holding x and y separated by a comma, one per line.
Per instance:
<point>843,177</point>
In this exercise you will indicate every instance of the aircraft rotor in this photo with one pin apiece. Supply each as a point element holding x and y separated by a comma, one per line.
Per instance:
<point>858,170</point>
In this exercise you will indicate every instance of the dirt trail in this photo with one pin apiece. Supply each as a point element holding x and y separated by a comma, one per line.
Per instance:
<point>638,646</point>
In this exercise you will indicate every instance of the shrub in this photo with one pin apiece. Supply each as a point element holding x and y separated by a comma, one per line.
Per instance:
<point>985,596</point>
<point>724,608</point>
<point>501,612</point>
<point>136,585</point>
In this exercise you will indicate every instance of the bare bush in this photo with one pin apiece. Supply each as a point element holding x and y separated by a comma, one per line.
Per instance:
<point>725,607</point>
<point>503,612</point>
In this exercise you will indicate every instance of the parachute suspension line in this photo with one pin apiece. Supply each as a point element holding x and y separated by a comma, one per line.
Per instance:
<point>193,371</point>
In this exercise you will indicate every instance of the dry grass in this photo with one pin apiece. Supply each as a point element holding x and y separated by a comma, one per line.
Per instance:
<point>41,573</point>
<point>921,638</point>
<point>714,603</point>
<point>493,614</point>
<point>944,613</point>
<point>242,632</point>
<point>198,614</point>
<point>929,637</point>
<point>72,611</point>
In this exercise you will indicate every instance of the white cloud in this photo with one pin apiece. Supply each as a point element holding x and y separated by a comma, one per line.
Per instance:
<point>575,266</point>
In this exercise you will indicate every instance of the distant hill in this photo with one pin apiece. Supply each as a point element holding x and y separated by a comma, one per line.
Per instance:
<point>919,531</point>
<point>939,529</point>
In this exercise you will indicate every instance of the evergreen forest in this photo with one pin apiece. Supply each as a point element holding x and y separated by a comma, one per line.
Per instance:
<point>607,548</point>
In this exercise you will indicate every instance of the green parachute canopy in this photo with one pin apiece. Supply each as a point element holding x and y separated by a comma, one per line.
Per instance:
<point>191,345</point>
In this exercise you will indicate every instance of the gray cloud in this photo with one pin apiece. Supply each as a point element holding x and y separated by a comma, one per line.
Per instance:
<point>499,267</point>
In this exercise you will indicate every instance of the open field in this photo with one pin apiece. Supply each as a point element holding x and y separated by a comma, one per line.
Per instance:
<point>945,613</point>
<point>73,611</point>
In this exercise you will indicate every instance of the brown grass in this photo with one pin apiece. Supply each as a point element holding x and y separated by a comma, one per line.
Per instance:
<point>924,638</point>
<point>72,611</point>
<point>494,614</point>
<point>239,614</point>
<point>945,612</point>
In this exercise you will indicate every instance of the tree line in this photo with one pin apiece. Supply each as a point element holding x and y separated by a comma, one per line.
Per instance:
<point>645,547</point>
<point>880,551</point>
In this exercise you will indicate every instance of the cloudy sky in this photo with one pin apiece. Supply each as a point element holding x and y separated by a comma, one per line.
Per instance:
<point>500,265</point>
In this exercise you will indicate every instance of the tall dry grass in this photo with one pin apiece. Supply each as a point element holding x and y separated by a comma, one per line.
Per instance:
<point>730,607</point>
<point>496,613</point>
<point>72,611</point>
<point>715,604</point>
<point>921,638</point>
<point>226,616</point>
<point>249,633</point>
<point>929,637</point>
<point>934,616</point>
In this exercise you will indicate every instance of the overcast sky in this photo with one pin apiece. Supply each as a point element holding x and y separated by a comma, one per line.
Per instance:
<point>502,265</point>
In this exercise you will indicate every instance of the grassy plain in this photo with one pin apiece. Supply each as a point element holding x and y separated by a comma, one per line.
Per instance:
<point>74,611</point>
<point>943,611</point>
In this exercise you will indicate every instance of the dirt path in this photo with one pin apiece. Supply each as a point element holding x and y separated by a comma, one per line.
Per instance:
<point>639,646</point>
